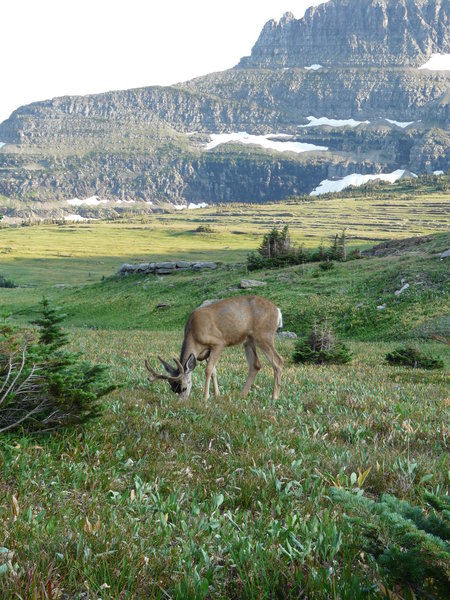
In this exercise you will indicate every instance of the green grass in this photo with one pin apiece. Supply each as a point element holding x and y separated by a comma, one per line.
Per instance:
<point>82,253</point>
<point>231,498</point>
<point>227,499</point>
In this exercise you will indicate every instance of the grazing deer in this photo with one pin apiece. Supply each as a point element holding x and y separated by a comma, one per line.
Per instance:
<point>209,329</point>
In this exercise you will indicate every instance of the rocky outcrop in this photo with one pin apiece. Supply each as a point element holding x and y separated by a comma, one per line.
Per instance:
<point>353,33</point>
<point>164,268</point>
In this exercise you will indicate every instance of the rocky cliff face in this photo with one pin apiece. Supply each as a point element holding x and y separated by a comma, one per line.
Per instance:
<point>382,33</point>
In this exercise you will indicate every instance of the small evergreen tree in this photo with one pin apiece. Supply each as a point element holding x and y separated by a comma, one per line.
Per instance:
<point>411,547</point>
<point>321,347</point>
<point>42,385</point>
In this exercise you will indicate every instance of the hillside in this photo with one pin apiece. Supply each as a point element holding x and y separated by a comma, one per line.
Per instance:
<point>151,145</point>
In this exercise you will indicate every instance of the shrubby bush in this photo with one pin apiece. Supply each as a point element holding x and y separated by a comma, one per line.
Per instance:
<point>321,347</point>
<point>409,356</point>
<point>42,385</point>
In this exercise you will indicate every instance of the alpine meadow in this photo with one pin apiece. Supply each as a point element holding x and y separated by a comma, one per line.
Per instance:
<point>314,174</point>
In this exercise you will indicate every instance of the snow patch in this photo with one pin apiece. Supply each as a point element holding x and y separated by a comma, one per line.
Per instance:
<point>122,201</point>
<point>266,141</point>
<point>2,144</point>
<point>74,218</point>
<point>92,201</point>
<point>355,179</point>
<point>399,123</point>
<point>317,122</point>
<point>437,62</point>
<point>190,206</point>
<point>314,67</point>
<point>438,172</point>
<point>193,206</point>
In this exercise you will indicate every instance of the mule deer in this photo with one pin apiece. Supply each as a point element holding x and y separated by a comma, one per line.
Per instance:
<point>209,329</point>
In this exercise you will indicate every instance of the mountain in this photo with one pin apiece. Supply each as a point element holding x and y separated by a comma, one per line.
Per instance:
<point>159,145</point>
<point>350,33</point>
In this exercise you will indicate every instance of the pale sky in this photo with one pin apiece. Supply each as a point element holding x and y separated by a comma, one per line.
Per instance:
<point>57,47</point>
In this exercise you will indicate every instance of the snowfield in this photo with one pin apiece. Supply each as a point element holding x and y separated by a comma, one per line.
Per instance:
<point>318,121</point>
<point>75,218</point>
<point>355,179</point>
<point>314,67</point>
<point>190,206</point>
<point>266,141</point>
<point>437,62</point>
<point>92,201</point>
<point>402,124</point>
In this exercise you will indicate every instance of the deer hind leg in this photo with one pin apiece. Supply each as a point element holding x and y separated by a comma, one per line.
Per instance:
<point>253,365</point>
<point>215,383</point>
<point>214,356</point>
<point>276,361</point>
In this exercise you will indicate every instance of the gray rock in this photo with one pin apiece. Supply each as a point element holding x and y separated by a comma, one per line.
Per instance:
<point>381,307</point>
<point>183,264</point>
<point>163,305</point>
<point>142,268</point>
<point>199,266</point>
<point>445,254</point>
<point>165,265</point>
<point>287,335</point>
<point>164,271</point>
<point>402,289</point>
<point>251,283</point>
<point>126,269</point>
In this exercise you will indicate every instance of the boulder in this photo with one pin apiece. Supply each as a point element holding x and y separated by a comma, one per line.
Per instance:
<point>251,283</point>
<point>163,305</point>
<point>183,264</point>
<point>287,335</point>
<point>445,254</point>
<point>402,289</point>
<point>165,271</point>
<point>199,266</point>
<point>381,307</point>
<point>165,265</point>
<point>126,269</point>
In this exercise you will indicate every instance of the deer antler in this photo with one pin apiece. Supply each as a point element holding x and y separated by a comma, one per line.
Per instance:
<point>156,375</point>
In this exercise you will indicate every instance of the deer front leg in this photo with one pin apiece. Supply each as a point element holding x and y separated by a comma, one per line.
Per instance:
<point>211,371</point>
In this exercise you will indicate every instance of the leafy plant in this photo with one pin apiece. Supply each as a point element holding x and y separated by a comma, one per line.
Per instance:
<point>321,347</point>
<point>410,547</point>
<point>409,356</point>
<point>42,385</point>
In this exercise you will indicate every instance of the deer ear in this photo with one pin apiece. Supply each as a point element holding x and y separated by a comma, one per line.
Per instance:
<point>190,363</point>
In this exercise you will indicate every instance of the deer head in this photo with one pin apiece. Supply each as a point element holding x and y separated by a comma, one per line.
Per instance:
<point>179,377</point>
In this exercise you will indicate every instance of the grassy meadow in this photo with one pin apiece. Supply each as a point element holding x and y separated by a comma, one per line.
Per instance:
<point>230,499</point>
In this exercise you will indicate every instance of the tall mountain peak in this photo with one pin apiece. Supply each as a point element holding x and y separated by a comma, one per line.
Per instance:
<point>349,33</point>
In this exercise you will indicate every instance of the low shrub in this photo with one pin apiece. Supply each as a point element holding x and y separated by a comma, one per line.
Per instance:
<point>409,356</point>
<point>321,347</point>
